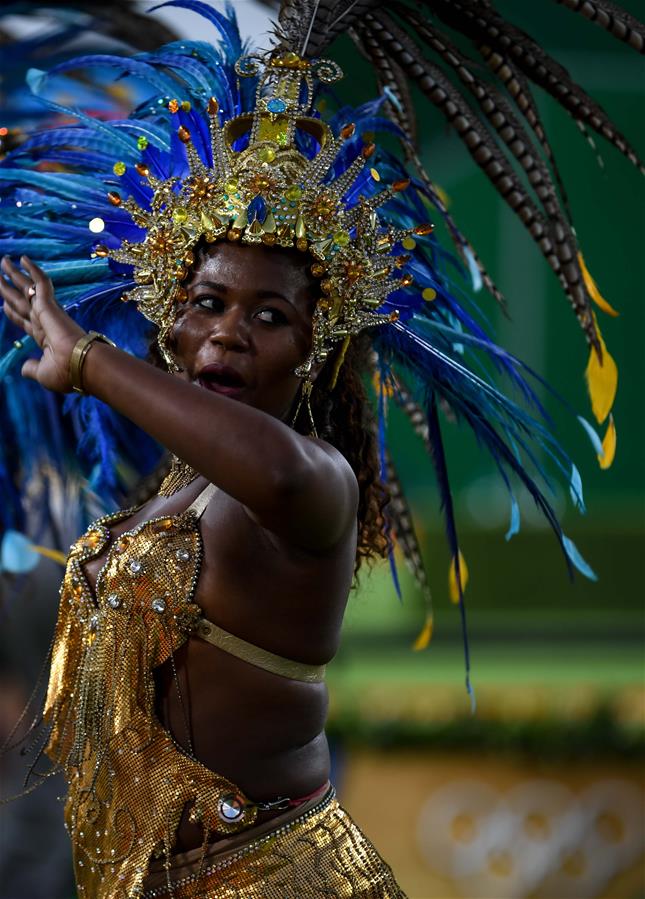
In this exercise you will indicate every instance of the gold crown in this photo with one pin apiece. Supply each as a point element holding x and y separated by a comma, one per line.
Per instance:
<point>269,193</point>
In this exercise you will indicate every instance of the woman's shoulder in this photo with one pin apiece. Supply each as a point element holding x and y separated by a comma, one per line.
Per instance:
<point>346,474</point>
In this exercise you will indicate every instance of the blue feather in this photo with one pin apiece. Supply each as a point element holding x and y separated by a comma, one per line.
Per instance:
<point>227,27</point>
<point>438,458</point>
<point>576,559</point>
<point>152,76</point>
<point>514,525</point>
<point>35,81</point>
<point>576,489</point>
<point>591,432</point>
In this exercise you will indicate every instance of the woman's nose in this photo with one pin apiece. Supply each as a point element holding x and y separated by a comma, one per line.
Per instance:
<point>231,330</point>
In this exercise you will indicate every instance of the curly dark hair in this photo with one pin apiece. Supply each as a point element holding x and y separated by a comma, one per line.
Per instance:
<point>343,417</point>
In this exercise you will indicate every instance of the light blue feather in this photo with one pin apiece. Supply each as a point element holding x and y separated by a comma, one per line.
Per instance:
<point>576,559</point>
<point>514,525</point>
<point>575,488</point>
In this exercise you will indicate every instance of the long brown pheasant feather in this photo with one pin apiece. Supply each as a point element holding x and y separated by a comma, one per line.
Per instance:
<point>612,18</point>
<point>552,238</point>
<point>490,31</point>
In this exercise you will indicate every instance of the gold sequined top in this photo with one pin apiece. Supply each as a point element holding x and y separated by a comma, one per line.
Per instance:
<point>128,780</point>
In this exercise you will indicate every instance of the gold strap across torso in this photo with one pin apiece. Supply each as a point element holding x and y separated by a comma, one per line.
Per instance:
<point>255,655</point>
<point>198,505</point>
<point>242,649</point>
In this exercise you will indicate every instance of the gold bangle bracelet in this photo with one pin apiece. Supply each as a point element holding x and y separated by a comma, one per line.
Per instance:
<point>77,359</point>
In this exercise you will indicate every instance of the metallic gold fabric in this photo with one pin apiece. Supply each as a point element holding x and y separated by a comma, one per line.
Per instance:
<point>128,781</point>
<point>317,853</point>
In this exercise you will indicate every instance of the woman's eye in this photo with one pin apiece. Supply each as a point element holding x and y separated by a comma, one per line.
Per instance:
<point>272,316</point>
<point>214,304</point>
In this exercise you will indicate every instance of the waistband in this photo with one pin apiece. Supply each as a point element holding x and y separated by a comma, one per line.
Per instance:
<point>186,867</point>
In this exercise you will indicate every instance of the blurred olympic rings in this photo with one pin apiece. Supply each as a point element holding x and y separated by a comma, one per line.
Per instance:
<point>538,836</point>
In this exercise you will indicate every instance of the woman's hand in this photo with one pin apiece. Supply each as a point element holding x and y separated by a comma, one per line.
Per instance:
<point>29,302</point>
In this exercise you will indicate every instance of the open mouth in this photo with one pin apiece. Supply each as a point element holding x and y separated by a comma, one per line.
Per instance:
<point>221,379</point>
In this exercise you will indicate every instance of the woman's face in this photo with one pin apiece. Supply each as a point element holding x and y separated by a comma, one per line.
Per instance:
<point>247,325</point>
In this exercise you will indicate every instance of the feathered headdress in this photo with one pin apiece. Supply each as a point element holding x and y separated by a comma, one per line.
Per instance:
<point>215,155</point>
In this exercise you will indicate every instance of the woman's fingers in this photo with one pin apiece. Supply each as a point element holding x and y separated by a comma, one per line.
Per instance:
<point>15,291</point>
<point>20,295</point>
<point>18,319</point>
<point>30,369</point>
<point>13,309</point>
<point>22,281</point>
<point>37,275</point>
<point>19,306</point>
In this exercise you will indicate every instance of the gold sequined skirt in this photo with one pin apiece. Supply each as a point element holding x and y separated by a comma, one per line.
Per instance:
<point>313,851</point>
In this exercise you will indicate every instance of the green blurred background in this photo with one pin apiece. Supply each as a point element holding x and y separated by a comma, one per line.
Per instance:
<point>527,620</point>
<point>557,666</point>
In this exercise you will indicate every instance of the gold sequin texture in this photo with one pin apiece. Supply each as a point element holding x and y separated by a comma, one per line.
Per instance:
<point>128,780</point>
<point>320,853</point>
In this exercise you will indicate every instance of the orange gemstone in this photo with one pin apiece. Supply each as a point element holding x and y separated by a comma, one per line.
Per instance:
<point>183,134</point>
<point>353,271</point>
<point>401,185</point>
<point>317,270</point>
<point>173,106</point>
<point>163,525</point>
<point>92,538</point>
<point>406,280</point>
<point>213,106</point>
<point>142,169</point>
<point>368,150</point>
<point>424,229</point>
<point>348,130</point>
<point>114,198</point>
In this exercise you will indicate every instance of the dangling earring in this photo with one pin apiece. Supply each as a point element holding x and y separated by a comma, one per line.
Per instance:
<point>305,396</point>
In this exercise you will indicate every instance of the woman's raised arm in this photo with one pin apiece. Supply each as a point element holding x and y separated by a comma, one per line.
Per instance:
<point>302,489</point>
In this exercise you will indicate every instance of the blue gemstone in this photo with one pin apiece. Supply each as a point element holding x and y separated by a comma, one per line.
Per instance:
<point>257,208</point>
<point>275,105</point>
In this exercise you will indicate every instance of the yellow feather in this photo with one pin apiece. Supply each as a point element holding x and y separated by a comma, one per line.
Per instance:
<point>592,288</point>
<point>443,196</point>
<point>602,381</point>
<point>54,554</point>
<point>425,636</point>
<point>608,445</point>
<point>339,361</point>
<point>452,578</point>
